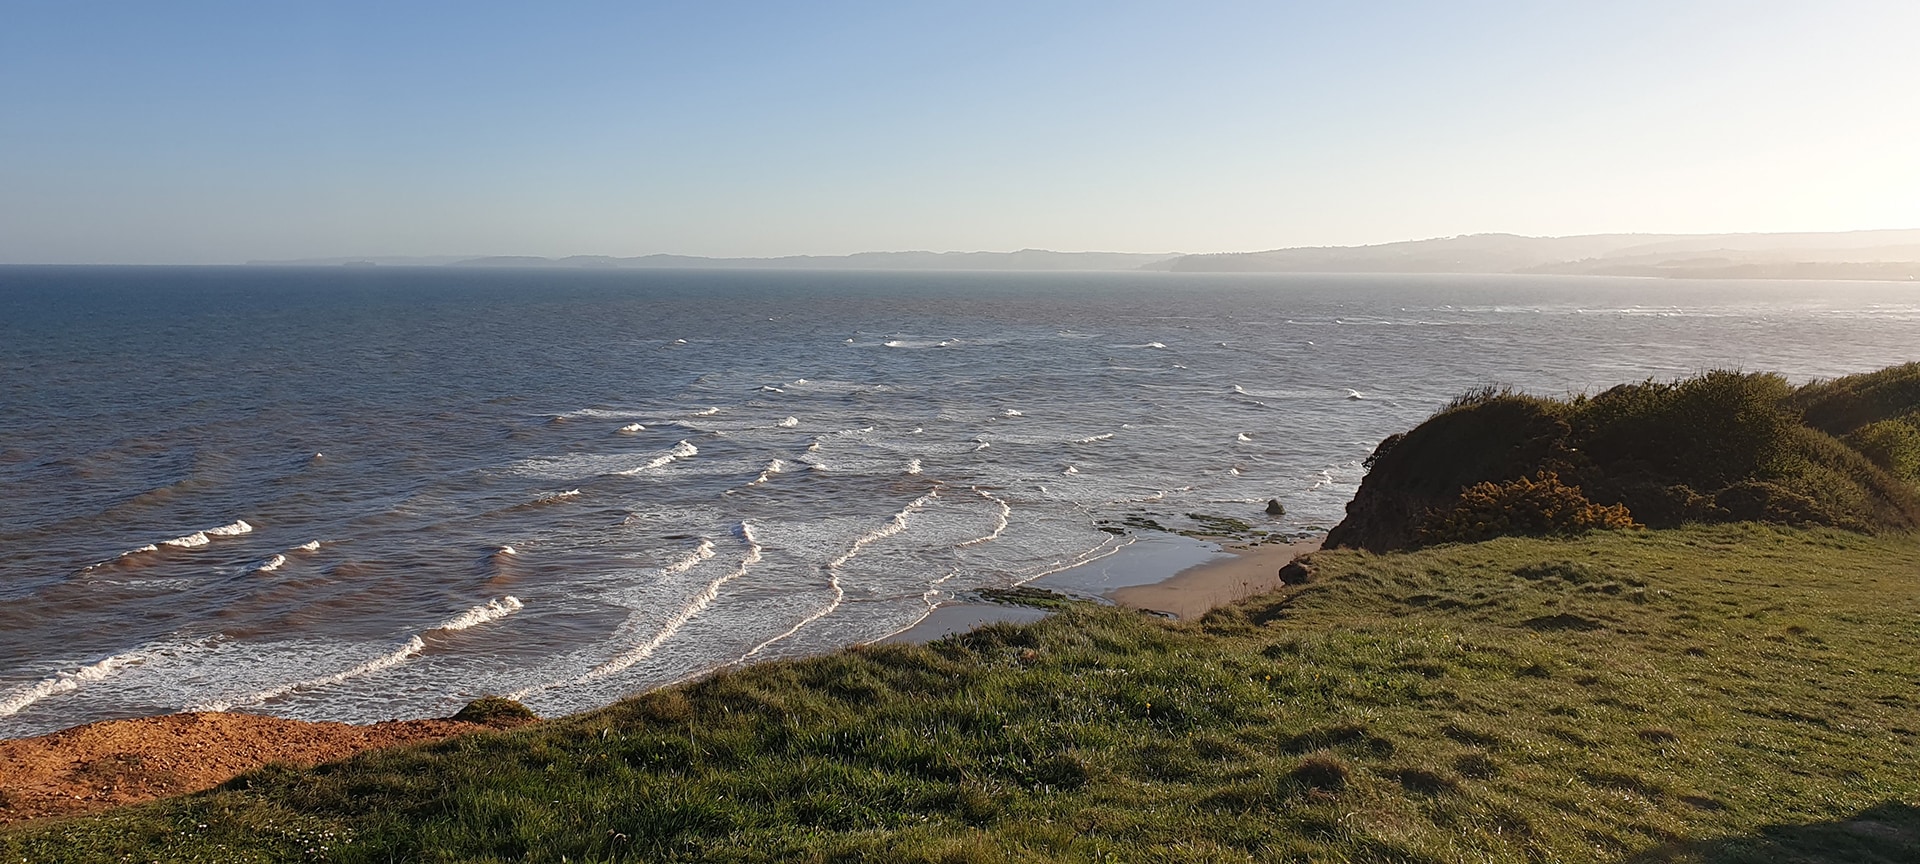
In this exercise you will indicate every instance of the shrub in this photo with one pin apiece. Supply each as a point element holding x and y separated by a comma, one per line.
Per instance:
<point>1540,504</point>
<point>496,711</point>
<point>1892,444</point>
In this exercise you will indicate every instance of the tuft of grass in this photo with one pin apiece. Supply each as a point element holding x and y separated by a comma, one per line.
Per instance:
<point>1399,708</point>
<point>496,711</point>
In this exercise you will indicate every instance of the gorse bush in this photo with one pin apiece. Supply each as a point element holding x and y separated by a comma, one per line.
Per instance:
<point>1892,444</point>
<point>1718,447</point>
<point>1537,505</point>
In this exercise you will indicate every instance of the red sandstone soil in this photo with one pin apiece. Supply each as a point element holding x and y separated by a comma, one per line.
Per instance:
<point>117,762</point>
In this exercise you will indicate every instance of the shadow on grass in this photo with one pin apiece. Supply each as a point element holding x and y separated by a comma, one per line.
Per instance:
<point>1885,834</point>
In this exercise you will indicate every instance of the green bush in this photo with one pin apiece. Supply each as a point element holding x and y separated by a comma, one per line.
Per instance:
<point>1894,445</point>
<point>1717,447</point>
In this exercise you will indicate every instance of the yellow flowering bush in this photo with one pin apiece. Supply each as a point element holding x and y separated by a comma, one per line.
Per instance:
<point>1540,504</point>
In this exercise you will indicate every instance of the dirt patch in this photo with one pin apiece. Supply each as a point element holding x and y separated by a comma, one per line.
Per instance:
<point>118,762</point>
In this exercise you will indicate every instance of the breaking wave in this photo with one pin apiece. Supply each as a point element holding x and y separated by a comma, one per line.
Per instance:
<point>99,670</point>
<point>894,526</point>
<point>681,450</point>
<point>189,541</point>
<point>693,607</point>
<point>494,610</point>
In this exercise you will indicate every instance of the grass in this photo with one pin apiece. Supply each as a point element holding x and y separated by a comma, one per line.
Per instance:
<point>1724,693</point>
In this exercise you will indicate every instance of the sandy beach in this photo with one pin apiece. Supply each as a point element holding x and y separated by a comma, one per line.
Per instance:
<point>1201,587</point>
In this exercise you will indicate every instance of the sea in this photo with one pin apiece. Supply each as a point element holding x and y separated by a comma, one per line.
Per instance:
<point>370,493</point>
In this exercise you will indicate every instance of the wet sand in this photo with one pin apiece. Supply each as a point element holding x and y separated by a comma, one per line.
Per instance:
<point>1202,587</point>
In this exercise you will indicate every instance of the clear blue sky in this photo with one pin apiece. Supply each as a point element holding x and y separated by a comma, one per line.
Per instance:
<point>189,131</point>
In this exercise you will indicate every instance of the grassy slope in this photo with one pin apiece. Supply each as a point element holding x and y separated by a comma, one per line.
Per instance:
<point>1659,694</point>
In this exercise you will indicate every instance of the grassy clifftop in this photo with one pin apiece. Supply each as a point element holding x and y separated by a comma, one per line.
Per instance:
<point>1719,447</point>
<point>1717,693</point>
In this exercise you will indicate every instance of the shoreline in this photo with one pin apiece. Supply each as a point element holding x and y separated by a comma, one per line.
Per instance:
<point>1177,576</point>
<point>106,764</point>
<point>1203,587</point>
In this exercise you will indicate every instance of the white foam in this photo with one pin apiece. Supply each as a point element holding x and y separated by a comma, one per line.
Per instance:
<point>189,541</point>
<point>1011,413</point>
<point>769,388</point>
<point>1092,438</point>
<point>1242,438</point>
<point>981,446</point>
<point>894,343</point>
<point>1155,345</point>
<point>402,654</point>
<point>1070,470</point>
<point>309,546</point>
<point>689,561</point>
<point>492,610</point>
<point>239,526</point>
<point>788,423</point>
<point>67,682</point>
<point>681,450</point>
<point>1234,471</point>
<point>913,466</point>
<point>631,428</point>
<point>271,564</point>
<point>1240,390</point>
<point>916,430</point>
<point>558,497</point>
<point>774,467</point>
<point>1000,524</point>
<point>693,607</point>
<point>894,526</point>
<point>1355,394</point>
<point>505,550</point>
<point>1091,555</point>
<point>679,342</point>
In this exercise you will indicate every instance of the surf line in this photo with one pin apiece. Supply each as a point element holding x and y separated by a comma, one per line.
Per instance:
<point>492,610</point>
<point>1000,526</point>
<point>693,608</point>
<point>894,526</point>
<point>99,670</point>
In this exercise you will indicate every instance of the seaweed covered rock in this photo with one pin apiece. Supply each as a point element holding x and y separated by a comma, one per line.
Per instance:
<point>1718,447</point>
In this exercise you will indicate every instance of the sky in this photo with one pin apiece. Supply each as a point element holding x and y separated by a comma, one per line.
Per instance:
<point>196,132</point>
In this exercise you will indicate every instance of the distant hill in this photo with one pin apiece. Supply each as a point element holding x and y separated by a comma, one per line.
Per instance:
<point>1025,259</point>
<point>1893,254</point>
<point>1877,255</point>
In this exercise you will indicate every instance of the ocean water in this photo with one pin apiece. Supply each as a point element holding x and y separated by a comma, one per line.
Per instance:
<point>365,494</point>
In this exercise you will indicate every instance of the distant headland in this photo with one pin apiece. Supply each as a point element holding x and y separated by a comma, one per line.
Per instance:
<point>1869,255</point>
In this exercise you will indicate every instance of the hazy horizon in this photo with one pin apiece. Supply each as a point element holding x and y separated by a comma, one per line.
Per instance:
<point>221,133</point>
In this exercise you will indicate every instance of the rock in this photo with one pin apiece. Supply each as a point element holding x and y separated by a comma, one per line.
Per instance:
<point>1295,573</point>
<point>1274,507</point>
